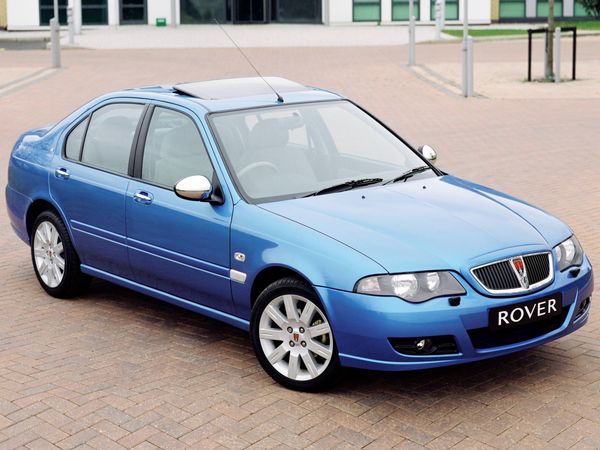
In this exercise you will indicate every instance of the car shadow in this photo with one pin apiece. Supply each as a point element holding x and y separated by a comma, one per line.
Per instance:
<point>470,380</point>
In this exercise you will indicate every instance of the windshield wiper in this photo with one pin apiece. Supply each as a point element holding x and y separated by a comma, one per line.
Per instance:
<point>346,186</point>
<point>406,175</point>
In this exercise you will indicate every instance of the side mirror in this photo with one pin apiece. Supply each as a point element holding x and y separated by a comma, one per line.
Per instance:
<point>428,153</point>
<point>196,187</point>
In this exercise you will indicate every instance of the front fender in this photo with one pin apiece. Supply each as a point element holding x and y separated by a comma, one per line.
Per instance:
<point>267,239</point>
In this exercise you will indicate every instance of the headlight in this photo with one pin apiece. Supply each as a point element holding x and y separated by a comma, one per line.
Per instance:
<point>569,253</point>
<point>412,287</point>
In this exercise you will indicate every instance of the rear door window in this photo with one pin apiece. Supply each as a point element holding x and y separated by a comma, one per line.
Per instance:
<point>109,136</point>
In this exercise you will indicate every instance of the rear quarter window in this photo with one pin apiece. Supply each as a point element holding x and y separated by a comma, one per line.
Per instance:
<point>75,141</point>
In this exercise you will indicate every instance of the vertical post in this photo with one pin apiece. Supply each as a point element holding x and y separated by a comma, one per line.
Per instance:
<point>411,33</point>
<point>443,13</point>
<point>77,16</point>
<point>557,55</point>
<point>574,52</point>
<point>438,20</point>
<point>56,9</point>
<point>549,43</point>
<point>465,50</point>
<point>529,35</point>
<point>173,13</point>
<point>55,42</point>
<point>545,51</point>
<point>470,66</point>
<point>71,26</point>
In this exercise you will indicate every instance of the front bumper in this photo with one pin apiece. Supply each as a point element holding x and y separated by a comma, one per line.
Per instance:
<point>363,324</point>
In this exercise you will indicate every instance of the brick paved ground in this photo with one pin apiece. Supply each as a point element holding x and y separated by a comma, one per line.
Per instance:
<point>116,369</point>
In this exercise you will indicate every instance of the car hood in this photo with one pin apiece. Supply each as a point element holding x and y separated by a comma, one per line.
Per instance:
<point>429,223</point>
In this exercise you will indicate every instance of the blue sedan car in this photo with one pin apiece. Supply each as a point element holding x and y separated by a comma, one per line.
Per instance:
<point>291,212</point>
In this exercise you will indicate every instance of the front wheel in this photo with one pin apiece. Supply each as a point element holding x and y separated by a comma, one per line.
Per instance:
<point>292,336</point>
<point>55,261</point>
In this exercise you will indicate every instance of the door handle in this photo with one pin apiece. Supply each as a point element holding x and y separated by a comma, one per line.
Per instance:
<point>143,197</point>
<point>61,172</point>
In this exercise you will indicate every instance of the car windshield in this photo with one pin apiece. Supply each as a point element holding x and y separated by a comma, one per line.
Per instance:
<point>291,151</point>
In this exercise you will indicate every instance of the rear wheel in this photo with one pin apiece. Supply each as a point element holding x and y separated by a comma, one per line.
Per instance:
<point>292,336</point>
<point>55,261</point>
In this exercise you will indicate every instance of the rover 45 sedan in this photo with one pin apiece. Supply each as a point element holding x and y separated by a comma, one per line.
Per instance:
<point>291,212</point>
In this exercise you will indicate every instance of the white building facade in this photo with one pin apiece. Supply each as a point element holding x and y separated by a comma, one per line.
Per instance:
<point>28,14</point>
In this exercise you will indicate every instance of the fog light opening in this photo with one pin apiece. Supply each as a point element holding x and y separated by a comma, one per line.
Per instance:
<point>582,308</point>
<point>423,345</point>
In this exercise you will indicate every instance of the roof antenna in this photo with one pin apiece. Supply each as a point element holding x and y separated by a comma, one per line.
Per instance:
<point>279,97</point>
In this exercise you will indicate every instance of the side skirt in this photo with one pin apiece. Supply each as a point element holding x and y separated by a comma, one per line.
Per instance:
<point>177,301</point>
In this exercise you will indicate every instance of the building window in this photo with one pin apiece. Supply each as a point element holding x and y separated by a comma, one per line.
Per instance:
<point>133,12</point>
<point>400,10</point>
<point>542,8</point>
<point>94,12</point>
<point>451,10</point>
<point>47,11</point>
<point>205,11</point>
<point>580,11</point>
<point>306,11</point>
<point>366,11</point>
<point>512,9</point>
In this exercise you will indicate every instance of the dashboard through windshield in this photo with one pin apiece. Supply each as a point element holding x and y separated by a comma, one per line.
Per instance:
<point>290,151</point>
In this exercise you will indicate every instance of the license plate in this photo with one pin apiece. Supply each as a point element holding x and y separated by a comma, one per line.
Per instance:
<point>527,312</point>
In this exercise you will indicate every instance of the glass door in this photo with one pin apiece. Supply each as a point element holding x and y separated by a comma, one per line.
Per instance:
<point>250,11</point>
<point>133,12</point>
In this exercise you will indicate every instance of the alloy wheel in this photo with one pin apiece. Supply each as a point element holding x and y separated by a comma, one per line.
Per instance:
<point>295,337</point>
<point>49,254</point>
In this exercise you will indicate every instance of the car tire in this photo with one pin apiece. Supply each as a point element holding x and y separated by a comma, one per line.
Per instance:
<point>55,262</point>
<point>292,337</point>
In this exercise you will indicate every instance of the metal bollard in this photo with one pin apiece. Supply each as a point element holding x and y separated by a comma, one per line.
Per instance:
<point>77,16</point>
<point>546,36</point>
<point>470,66</point>
<point>411,41</point>
<point>438,20</point>
<point>557,55</point>
<point>173,13</point>
<point>55,42</point>
<point>71,24</point>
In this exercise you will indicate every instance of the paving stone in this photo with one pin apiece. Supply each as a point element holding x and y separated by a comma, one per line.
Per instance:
<point>115,369</point>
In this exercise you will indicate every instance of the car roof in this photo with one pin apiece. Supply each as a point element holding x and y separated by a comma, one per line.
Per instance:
<point>239,93</point>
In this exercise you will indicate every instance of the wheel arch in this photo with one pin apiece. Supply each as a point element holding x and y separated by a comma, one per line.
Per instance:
<point>271,274</point>
<point>36,208</point>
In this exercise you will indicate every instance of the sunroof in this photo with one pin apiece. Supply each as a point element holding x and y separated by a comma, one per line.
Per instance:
<point>238,87</point>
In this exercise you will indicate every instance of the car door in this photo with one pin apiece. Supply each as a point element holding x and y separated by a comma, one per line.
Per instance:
<point>177,246</point>
<point>90,182</point>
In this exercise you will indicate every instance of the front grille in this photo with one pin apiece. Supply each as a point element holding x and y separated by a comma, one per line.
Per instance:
<point>485,338</point>
<point>499,277</point>
<point>538,267</point>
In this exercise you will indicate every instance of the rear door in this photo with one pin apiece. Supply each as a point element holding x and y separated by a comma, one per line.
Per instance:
<point>177,246</point>
<point>90,182</point>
